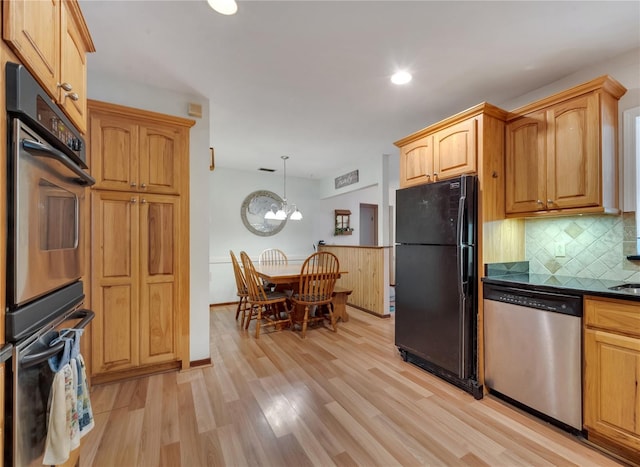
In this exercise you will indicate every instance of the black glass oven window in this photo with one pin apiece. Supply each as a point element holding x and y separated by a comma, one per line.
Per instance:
<point>58,212</point>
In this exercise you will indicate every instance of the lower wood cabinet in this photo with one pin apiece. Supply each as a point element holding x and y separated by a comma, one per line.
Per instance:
<point>612,374</point>
<point>135,271</point>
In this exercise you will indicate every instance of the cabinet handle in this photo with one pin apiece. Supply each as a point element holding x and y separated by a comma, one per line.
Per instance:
<point>143,186</point>
<point>435,174</point>
<point>144,201</point>
<point>134,200</point>
<point>134,184</point>
<point>66,86</point>
<point>539,202</point>
<point>72,95</point>
<point>549,201</point>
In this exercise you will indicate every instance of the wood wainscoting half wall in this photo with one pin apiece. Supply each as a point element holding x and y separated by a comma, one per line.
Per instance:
<point>367,276</point>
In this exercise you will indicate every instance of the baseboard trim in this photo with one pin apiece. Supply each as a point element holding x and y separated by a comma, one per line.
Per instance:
<point>370,312</point>
<point>223,304</point>
<point>200,363</point>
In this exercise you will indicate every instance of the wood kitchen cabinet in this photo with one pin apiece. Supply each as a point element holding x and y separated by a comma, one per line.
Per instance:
<point>140,241</point>
<point>454,149</point>
<point>561,152</point>
<point>135,155</point>
<point>136,268</point>
<point>612,374</point>
<point>451,147</point>
<point>52,40</point>
<point>416,162</point>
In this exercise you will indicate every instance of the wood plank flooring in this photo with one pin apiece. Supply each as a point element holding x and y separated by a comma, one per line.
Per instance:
<point>343,398</point>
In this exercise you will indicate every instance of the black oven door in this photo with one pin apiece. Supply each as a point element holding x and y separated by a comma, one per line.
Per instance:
<point>28,388</point>
<point>44,220</point>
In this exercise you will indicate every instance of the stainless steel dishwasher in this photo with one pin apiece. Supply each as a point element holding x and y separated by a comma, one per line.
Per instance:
<point>532,351</point>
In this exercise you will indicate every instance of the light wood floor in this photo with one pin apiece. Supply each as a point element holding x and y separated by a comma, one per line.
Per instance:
<point>331,399</point>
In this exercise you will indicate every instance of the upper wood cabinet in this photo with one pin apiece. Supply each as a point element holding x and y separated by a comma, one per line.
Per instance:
<point>611,373</point>
<point>52,40</point>
<point>133,154</point>
<point>451,147</point>
<point>454,151</point>
<point>416,162</point>
<point>561,152</point>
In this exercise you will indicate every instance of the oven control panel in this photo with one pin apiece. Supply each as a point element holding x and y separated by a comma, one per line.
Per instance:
<point>50,120</point>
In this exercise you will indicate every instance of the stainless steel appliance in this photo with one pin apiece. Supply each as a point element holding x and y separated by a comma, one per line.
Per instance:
<point>436,294</point>
<point>32,380</point>
<point>46,184</point>
<point>532,345</point>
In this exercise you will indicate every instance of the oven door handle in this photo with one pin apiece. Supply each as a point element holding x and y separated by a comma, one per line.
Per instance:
<point>6,352</point>
<point>85,178</point>
<point>28,361</point>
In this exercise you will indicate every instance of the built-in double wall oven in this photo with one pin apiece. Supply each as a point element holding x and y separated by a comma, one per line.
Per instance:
<point>46,190</point>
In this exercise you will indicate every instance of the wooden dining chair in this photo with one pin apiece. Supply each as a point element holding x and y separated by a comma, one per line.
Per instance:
<point>266,308</point>
<point>318,277</point>
<point>241,286</point>
<point>273,256</point>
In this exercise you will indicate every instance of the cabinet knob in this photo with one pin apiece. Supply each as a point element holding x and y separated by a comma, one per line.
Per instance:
<point>72,95</point>
<point>549,201</point>
<point>134,200</point>
<point>134,184</point>
<point>539,201</point>
<point>66,86</point>
<point>143,186</point>
<point>435,174</point>
<point>144,201</point>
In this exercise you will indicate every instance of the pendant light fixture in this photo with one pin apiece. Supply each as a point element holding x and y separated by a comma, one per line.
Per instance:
<point>284,210</point>
<point>224,7</point>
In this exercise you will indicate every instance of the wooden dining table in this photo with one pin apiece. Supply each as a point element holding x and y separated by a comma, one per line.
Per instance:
<point>289,274</point>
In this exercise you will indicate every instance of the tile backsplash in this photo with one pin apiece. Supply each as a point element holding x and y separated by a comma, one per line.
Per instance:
<point>593,246</point>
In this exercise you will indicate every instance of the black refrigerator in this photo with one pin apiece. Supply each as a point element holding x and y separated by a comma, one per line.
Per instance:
<point>436,279</point>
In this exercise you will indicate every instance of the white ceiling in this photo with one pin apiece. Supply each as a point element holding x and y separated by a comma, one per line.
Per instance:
<point>310,79</point>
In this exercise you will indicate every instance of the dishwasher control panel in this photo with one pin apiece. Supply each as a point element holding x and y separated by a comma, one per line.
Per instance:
<point>548,301</point>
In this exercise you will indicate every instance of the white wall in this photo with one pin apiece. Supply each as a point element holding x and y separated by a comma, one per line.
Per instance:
<point>110,89</point>
<point>350,201</point>
<point>227,232</point>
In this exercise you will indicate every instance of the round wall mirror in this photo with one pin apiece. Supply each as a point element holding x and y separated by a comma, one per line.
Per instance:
<point>253,209</point>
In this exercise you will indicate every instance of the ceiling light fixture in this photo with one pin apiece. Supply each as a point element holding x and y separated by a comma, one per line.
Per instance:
<point>224,7</point>
<point>284,211</point>
<point>401,77</point>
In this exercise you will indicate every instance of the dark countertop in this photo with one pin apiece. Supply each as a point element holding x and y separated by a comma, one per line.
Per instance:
<point>562,284</point>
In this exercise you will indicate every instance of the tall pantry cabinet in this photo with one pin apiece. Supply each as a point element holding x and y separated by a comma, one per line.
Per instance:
<point>140,235</point>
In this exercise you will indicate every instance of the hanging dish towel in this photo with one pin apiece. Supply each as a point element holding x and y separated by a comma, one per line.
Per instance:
<point>85,413</point>
<point>62,406</point>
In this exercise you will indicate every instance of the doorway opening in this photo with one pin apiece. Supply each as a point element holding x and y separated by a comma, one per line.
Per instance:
<point>368,224</point>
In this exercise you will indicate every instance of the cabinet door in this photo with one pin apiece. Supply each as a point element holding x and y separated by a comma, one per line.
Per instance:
<point>526,176</point>
<point>115,278</point>
<point>159,275</point>
<point>573,157</point>
<point>114,152</point>
<point>73,70</point>
<point>416,162</point>
<point>612,392</point>
<point>160,152</point>
<point>455,150</point>
<point>32,29</point>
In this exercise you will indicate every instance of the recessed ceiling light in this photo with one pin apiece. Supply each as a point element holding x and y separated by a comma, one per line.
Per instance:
<point>401,77</point>
<point>224,7</point>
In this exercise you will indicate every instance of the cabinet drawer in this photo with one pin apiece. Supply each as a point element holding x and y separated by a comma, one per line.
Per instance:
<point>615,315</point>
